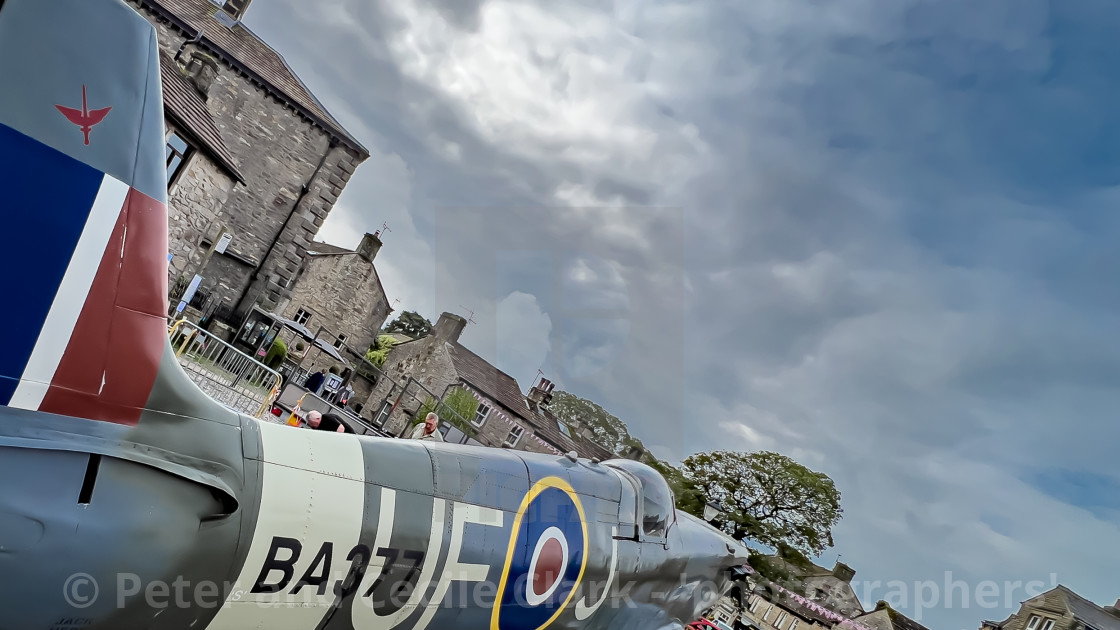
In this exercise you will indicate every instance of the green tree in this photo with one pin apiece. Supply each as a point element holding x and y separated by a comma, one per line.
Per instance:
<point>378,353</point>
<point>458,408</point>
<point>769,498</point>
<point>609,431</point>
<point>687,494</point>
<point>411,324</point>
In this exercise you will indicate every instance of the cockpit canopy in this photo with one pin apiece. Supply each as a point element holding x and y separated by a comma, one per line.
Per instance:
<point>646,500</point>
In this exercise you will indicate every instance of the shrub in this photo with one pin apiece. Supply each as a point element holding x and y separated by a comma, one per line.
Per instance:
<point>276,354</point>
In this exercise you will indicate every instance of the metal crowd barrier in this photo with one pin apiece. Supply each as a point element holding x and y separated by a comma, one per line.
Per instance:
<point>225,373</point>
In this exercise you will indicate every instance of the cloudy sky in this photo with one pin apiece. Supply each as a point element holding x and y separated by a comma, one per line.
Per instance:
<point>878,236</point>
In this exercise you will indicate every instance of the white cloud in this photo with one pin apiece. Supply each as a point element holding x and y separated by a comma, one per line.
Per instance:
<point>525,337</point>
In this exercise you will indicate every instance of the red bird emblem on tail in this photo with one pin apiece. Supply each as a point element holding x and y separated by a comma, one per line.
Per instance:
<point>84,118</point>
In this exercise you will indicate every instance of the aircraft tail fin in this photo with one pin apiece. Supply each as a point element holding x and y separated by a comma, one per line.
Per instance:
<point>84,268</point>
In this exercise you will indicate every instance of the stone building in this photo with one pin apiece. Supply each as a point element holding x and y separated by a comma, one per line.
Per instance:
<point>252,153</point>
<point>773,607</point>
<point>435,365</point>
<point>1059,609</point>
<point>338,290</point>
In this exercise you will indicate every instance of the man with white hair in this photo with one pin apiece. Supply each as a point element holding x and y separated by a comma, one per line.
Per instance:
<point>427,430</point>
<point>315,420</point>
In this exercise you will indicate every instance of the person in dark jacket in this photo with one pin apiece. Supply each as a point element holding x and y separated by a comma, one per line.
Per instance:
<point>315,381</point>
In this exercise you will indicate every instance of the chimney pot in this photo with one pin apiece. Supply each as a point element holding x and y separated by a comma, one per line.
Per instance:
<point>449,327</point>
<point>369,247</point>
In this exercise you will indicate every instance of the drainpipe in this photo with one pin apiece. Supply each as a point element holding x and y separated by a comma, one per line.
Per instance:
<point>291,213</point>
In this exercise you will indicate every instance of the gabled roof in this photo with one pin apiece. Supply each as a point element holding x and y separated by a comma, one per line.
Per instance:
<point>487,379</point>
<point>326,249</point>
<point>185,106</point>
<point>898,620</point>
<point>1089,613</point>
<point>242,48</point>
<point>319,248</point>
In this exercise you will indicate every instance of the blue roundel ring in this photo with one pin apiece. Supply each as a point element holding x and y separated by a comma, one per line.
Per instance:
<point>546,559</point>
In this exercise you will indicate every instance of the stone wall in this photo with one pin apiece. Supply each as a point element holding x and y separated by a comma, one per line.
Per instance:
<point>1043,605</point>
<point>765,614</point>
<point>833,593</point>
<point>426,360</point>
<point>194,205</point>
<point>294,174</point>
<point>343,293</point>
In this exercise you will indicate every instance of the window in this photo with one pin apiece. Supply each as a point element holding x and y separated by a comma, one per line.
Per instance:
<point>302,317</point>
<point>341,339</point>
<point>768,611</point>
<point>1039,623</point>
<point>628,509</point>
<point>792,624</point>
<point>382,414</point>
<point>177,153</point>
<point>514,436</point>
<point>781,618</point>
<point>755,604</point>
<point>481,415</point>
<point>563,428</point>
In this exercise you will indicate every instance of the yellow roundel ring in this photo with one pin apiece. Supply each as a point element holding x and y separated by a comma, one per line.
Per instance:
<point>545,560</point>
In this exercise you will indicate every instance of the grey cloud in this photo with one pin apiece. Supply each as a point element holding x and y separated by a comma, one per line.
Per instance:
<point>877,284</point>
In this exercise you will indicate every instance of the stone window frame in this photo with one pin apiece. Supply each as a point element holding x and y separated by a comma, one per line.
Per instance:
<point>184,155</point>
<point>479,417</point>
<point>792,624</point>
<point>1041,622</point>
<point>519,430</point>
<point>305,319</point>
<point>382,414</point>
<point>782,616</point>
<point>339,341</point>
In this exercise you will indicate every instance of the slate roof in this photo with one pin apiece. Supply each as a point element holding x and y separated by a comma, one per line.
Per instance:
<point>504,389</point>
<point>488,379</point>
<point>244,49</point>
<point>899,621</point>
<point>1089,613</point>
<point>550,423</point>
<point>317,247</point>
<point>185,106</point>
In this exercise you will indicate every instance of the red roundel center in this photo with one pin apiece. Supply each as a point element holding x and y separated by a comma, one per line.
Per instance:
<point>550,563</point>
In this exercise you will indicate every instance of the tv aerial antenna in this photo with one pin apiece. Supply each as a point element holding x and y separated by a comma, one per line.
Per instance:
<point>471,318</point>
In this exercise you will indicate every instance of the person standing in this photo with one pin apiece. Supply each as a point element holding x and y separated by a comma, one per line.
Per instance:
<point>428,430</point>
<point>315,381</point>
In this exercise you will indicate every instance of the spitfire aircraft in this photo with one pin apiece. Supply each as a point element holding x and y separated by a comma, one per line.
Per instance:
<point>131,500</point>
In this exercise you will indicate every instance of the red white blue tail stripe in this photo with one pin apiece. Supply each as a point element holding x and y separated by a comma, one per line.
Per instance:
<point>84,267</point>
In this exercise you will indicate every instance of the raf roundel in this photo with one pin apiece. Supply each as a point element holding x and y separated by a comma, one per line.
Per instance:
<point>546,559</point>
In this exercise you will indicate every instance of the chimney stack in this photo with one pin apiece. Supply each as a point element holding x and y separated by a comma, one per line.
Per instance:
<point>202,70</point>
<point>369,247</point>
<point>449,327</point>
<point>843,572</point>
<point>541,393</point>
<point>236,8</point>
